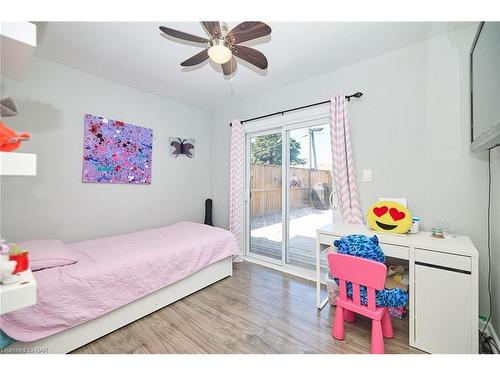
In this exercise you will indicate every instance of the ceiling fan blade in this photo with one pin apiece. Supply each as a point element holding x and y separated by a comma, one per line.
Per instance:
<point>212,27</point>
<point>248,30</point>
<point>182,35</point>
<point>250,55</point>
<point>196,59</point>
<point>229,67</point>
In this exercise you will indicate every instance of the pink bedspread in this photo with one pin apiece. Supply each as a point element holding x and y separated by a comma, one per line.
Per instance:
<point>114,271</point>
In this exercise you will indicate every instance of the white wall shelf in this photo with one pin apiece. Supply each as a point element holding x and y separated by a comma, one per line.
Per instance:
<point>18,40</point>
<point>17,164</point>
<point>18,295</point>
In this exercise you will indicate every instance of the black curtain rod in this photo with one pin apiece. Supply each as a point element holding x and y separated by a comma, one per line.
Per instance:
<point>348,97</point>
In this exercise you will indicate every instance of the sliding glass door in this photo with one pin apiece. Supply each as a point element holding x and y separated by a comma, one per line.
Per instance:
<point>289,194</point>
<point>266,196</point>
<point>310,192</point>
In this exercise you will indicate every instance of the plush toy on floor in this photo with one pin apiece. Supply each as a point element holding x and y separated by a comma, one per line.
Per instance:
<point>369,248</point>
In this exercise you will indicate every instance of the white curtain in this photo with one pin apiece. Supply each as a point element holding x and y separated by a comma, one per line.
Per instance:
<point>236,181</point>
<point>344,171</point>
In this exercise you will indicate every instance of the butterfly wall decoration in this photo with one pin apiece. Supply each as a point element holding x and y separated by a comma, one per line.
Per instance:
<point>183,147</point>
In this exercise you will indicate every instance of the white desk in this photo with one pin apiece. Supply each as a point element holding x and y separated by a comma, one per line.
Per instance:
<point>443,291</point>
<point>18,295</point>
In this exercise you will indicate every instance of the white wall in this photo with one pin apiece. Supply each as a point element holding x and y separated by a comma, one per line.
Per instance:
<point>411,128</point>
<point>495,238</point>
<point>52,101</point>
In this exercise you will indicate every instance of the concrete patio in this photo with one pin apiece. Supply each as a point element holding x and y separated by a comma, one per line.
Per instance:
<point>266,236</point>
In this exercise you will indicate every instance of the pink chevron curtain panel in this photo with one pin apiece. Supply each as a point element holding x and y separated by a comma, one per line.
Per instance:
<point>344,171</point>
<point>236,182</point>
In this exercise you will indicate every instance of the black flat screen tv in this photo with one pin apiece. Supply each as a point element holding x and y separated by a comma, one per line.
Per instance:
<point>485,87</point>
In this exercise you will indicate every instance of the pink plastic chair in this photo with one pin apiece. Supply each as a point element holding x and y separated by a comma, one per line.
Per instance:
<point>365,272</point>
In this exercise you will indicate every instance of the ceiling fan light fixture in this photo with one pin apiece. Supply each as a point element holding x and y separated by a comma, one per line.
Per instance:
<point>224,44</point>
<point>219,52</point>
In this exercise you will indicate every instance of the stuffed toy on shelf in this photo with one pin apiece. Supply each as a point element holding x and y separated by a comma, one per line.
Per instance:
<point>9,139</point>
<point>7,266</point>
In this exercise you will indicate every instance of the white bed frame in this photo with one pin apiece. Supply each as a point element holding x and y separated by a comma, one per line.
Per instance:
<point>82,334</point>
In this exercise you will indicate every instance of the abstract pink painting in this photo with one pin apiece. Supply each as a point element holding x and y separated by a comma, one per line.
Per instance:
<point>116,152</point>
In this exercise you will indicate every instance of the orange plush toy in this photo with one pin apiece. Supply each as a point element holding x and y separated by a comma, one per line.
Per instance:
<point>9,139</point>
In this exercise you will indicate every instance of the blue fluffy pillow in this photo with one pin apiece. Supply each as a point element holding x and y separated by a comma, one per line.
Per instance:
<point>369,248</point>
<point>360,246</point>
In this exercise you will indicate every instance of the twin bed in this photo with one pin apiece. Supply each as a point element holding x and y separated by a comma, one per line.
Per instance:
<point>115,281</point>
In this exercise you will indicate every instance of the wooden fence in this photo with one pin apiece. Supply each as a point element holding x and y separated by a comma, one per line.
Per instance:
<point>266,187</point>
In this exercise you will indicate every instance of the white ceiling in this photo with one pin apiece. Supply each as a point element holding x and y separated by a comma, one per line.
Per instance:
<point>136,54</point>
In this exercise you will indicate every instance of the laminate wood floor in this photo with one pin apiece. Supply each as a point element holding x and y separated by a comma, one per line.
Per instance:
<point>257,310</point>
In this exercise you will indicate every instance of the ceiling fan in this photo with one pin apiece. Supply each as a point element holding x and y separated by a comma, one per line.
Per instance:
<point>223,45</point>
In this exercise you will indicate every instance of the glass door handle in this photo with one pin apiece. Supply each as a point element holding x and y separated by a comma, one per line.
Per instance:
<point>333,203</point>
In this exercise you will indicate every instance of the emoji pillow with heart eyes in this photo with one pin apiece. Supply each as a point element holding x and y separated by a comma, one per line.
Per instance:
<point>388,216</point>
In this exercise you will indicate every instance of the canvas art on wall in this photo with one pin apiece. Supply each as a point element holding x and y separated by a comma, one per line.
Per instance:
<point>183,147</point>
<point>116,152</point>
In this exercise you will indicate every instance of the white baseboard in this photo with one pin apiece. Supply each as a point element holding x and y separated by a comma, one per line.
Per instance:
<point>490,331</point>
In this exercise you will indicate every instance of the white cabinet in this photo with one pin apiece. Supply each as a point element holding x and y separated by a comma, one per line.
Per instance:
<point>443,310</point>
